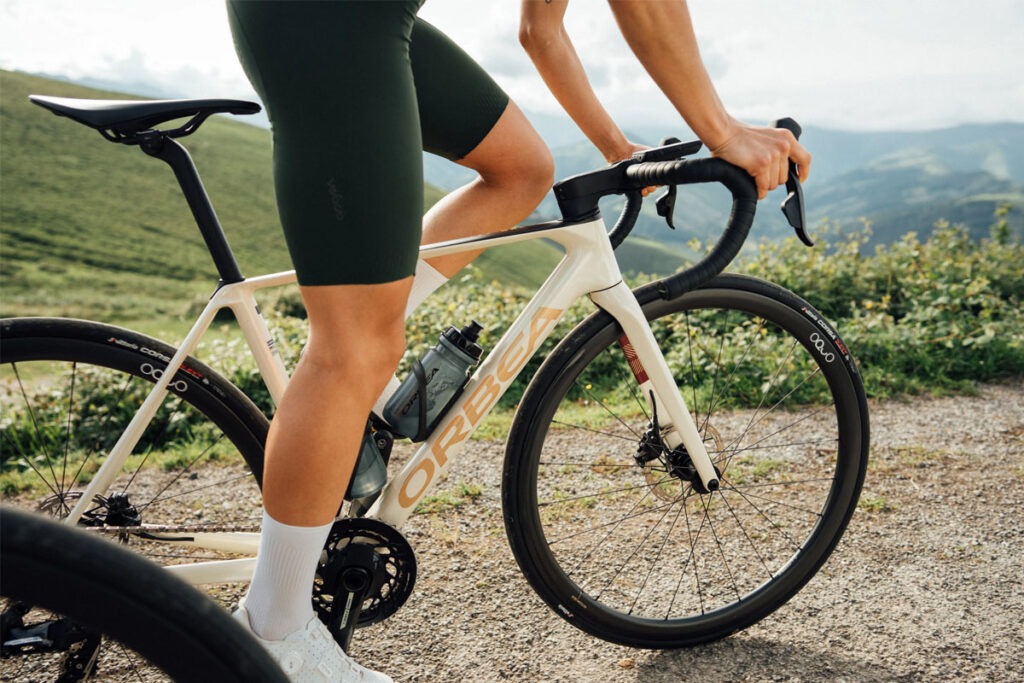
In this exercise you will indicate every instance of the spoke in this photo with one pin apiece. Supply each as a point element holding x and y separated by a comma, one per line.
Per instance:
<point>585,465</point>
<point>102,430</point>
<point>630,439</point>
<point>606,408</point>
<point>721,551</point>
<point>39,438</point>
<point>192,491</point>
<point>740,492</point>
<point>615,522</point>
<point>773,446</point>
<point>793,543</point>
<point>689,348</point>
<point>805,416</point>
<point>713,402</point>
<point>691,558</point>
<point>153,443</point>
<point>657,558</point>
<point>625,562</point>
<point>764,395</point>
<point>130,657</point>
<point>768,412</point>
<point>67,432</point>
<point>750,541</point>
<point>602,493</point>
<point>614,526</point>
<point>185,470</point>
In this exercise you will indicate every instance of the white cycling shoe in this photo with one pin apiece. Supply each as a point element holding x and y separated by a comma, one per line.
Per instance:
<point>311,655</point>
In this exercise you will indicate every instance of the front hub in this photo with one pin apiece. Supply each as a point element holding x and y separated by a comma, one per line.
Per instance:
<point>670,471</point>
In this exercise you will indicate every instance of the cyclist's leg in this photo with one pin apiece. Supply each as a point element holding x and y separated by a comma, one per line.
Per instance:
<point>516,171</point>
<point>467,118</point>
<point>337,84</point>
<point>356,339</point>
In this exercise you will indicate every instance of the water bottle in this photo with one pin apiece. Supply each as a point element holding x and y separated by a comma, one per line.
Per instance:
<point>371,471</point>
<point>435,382</point>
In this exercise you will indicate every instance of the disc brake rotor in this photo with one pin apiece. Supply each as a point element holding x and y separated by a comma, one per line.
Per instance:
<point>665,485</point>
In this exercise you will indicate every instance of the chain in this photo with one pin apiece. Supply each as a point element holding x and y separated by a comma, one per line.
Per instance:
<point>173,529</point>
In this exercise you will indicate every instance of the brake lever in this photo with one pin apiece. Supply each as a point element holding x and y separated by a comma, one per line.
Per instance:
<point>793,204</point>
<point>666,206</point>
<point>668,149</point>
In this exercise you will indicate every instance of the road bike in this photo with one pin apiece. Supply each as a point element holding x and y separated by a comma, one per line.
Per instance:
<point>65,590</point>
<point>682,463</point>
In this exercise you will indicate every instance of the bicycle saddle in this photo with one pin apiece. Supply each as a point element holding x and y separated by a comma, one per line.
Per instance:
<point>127,117</point>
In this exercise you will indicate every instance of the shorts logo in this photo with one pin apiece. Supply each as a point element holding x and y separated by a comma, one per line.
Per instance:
<point>337,201</point>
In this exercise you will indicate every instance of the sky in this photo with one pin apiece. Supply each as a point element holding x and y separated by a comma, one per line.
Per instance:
<point>842,64</point>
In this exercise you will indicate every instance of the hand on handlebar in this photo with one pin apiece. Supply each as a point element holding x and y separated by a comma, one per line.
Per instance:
<point>626,153</point>
<point>765,154</point>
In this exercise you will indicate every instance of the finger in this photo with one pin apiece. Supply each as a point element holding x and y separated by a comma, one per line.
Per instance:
<point>764,184</point>
<point>802,158</point>
<point>782,170</point>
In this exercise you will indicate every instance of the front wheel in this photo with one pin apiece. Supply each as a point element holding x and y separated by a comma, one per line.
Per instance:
<point>608,524</point>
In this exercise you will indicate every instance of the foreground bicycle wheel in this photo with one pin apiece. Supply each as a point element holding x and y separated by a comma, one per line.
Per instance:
<point>157,627</point>
<point>610,527</point>
<point>67,390</point>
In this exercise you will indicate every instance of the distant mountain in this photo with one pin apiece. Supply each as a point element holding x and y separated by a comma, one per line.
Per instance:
<point>899,181</point>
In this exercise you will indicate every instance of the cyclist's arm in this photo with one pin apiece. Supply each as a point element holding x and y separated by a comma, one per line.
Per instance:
<point>661,35</point>
<point>543,36</point>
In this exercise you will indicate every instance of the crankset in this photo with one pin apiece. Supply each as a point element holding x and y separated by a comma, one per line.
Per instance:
<point>365,575</point>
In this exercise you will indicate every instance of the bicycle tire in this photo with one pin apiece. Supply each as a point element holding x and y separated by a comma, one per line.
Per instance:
<point>88,379</point>
<point>69,387</point>
<point>102,586</point>
<point>635,554</point>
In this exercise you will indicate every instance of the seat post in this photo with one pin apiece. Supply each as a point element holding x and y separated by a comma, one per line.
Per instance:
<point>158,145</point>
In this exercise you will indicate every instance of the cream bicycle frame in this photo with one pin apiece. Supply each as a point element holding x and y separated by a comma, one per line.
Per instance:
<point>588,267</point>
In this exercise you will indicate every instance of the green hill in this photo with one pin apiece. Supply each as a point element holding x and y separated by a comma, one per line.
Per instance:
<point>94,229</point>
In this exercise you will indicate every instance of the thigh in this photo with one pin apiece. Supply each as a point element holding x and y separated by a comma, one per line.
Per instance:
<point>458,102</point>
<point>336,80</point>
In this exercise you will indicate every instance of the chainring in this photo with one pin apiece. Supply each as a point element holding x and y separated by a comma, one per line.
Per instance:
<point>394,573</point>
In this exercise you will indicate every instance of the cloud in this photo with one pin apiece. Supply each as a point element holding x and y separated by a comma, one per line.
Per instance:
<point>890,64</point>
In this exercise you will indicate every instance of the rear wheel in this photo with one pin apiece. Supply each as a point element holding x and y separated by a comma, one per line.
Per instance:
<point>68,388</point>
<point>610,526</point>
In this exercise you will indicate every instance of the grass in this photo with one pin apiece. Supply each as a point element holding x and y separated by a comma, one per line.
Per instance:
<point>874,503</point>
<point>97,230</point>
<point>452,498</point>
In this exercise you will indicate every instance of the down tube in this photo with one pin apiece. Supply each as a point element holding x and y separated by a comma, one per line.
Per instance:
<point>491,380</point>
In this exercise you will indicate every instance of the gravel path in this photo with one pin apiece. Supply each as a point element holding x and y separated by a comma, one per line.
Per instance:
<point>926,584</point>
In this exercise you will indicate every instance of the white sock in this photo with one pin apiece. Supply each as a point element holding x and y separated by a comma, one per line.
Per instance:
<point>279,601</point>
<point>427,281</point>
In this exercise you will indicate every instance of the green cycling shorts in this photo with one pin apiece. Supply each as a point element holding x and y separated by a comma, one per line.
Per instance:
<point>354,92</point>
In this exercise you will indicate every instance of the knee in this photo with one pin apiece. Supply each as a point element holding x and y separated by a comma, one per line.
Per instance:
<point>528,175</point>
<point>364,359</point>
<point>539,176</point>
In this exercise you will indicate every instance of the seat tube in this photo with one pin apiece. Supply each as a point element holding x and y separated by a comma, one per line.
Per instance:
<point>673,415</point>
